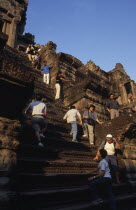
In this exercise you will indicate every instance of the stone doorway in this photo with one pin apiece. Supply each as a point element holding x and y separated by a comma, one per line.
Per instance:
<point>1,25</point>
<point>13,99</point>
<point>128,87</point>
<point>129,92</point>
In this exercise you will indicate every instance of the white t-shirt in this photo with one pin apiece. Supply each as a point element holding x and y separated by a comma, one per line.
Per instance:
<point>110,148</point>
<point>104,166</point>
<point>72,115</point>
<point>37,107</point>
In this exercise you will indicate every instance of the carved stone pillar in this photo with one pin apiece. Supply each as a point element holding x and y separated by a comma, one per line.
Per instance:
<point>3,40</point>
<point>133,89</point>
<point>12,33</point>
<point>123,92</point>
<point>4,28</point>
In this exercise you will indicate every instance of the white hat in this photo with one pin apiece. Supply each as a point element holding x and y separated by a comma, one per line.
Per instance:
<point>109,136</point>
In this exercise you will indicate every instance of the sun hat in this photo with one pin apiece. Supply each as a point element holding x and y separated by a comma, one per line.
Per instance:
<point>109,136</point>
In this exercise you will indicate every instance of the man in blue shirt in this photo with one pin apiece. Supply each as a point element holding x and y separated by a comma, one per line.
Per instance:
<point>46,72</point>
<point>113,107</point>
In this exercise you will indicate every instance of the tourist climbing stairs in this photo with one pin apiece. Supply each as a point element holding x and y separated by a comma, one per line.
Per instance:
<point>56,176</point>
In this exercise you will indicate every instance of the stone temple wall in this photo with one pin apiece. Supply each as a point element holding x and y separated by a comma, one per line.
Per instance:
<point>88,83</point>
<point>13,19</point>
<point>22,162</point>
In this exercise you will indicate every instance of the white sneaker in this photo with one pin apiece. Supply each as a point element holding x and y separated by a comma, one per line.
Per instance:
<point>84,135</point>
<point>40,144</point>
<point>74,141</point>
<point>42,135</point>
<point>96,202</point>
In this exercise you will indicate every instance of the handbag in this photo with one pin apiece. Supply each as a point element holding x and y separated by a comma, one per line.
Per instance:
<point>90,121</point>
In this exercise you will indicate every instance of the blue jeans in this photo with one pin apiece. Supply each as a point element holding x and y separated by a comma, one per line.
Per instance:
<point>106,184</point>
<point>74,130</point>
<point>38,123</point>
<point>112,161</point>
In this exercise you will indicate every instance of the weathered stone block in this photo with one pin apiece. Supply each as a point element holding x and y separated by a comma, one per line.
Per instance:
<point>3,40</point>
<point>7,160</point>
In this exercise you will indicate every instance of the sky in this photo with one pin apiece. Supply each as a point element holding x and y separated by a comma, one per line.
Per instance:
<point>103,31</point>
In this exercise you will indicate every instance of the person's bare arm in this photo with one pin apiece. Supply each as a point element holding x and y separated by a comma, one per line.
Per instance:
<point>101,174</point>
<point>99,122</point>
<point>44,114</point>
<point>85,117</point>
<point>117,144</point>
<point>65,117</point>
<point>97,155</point>
<point>29,112</point>
<point>79,116</point>
<point>65,80</point>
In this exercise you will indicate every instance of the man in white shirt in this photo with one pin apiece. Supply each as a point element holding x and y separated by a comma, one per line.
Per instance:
<point>38,111</point>
<point>110,145</point>
<point>30,52</point>
<point>71,117</point>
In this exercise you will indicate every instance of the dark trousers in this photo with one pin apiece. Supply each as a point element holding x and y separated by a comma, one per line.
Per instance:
<point>106,185</point>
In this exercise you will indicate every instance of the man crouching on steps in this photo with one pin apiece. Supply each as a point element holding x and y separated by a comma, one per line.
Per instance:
<point>38,111</point>
<point>110,144</point>
<point>71,117</point>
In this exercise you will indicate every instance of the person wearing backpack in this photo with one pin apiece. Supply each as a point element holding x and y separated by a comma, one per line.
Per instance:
<point>110,145</point>
<point>90,118</point>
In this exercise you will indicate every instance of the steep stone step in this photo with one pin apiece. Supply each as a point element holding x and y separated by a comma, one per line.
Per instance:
<point>57,166</point>
<point>55,183</point>
<point>63,155</point>
<point>52,146</point>
<point>124,202</point>
<point>31,181</point>
<point>84,156</point>
<point>77,197</point>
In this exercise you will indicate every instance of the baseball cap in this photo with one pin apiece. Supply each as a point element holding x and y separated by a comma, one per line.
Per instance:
<point>109,136</point>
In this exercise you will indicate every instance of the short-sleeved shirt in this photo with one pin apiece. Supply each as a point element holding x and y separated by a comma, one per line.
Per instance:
<point>46,69</point>
<point>37,108</point>
<point>112,104</point>
<point>72,115</point>
<point>30,50</point>
<point>104,166</point>
<point>58,79</point>
<point>91,115</point>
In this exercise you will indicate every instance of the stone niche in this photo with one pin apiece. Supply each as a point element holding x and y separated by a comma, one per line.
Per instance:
<point>12,19</point>
<point>123,85</point>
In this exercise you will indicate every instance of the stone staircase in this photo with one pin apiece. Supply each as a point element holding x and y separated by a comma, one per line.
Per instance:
<point>53,177</point>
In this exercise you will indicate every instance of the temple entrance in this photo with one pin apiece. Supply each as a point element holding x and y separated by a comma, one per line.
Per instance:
<point>128,88</point>
<point>129,92</point>
<point>13,99</point>
<point>1,25</point>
